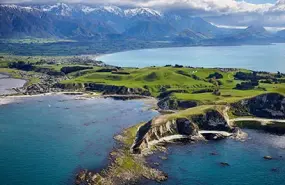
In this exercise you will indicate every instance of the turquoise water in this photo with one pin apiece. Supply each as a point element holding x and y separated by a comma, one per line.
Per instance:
<point>193,164</point>
<point>46,140</point>
<point>257,57</point>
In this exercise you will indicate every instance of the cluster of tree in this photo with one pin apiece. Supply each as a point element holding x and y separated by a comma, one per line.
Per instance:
<point>216,75</point>
<point>247,85</point>
<point>178,66</point>
<point>21,65</point>
<point>247,76</point>
<point>280,75</point>
<point>71,69</point>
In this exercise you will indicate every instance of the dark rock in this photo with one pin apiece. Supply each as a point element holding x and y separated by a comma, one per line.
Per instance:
<point>268,157</point>
<point>162,177</point>
<point>275,170</point>
<point>81,177</point>
<point>185,127</point>
<point>212,120</point>
<point>224,164</point>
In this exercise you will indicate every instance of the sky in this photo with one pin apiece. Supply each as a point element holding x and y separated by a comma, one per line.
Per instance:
<point>270,13</point>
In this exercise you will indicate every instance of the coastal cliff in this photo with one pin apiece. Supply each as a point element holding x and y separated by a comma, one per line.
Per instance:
<point>161,129</point>
<point>128,164</point>
<point>185,125</point>
<point>271,105</point>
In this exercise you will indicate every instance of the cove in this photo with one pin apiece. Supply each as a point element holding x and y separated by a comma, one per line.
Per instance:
<point>7,83</point>
<point>46,140</point>
<point>199,163</point>
<point>254,57</point>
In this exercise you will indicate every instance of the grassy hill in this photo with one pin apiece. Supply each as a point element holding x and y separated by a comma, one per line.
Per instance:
<point>182,83</point>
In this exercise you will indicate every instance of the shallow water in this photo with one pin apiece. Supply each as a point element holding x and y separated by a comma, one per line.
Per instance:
<point>193,164</point>
<point>6,84</point>
<point>46,140</point>
<point>255,57</point>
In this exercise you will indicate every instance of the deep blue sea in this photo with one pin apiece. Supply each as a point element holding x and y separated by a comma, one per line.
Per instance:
<point>255,57</point>
<point>46,140</point>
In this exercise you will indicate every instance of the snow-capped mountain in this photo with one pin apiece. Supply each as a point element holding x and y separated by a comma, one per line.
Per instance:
<point>104,9</point>
<point>105,19</point>
<point>69,10</point>
<point>57,9</point>
<point>147,12</point>
<point>88,21</point>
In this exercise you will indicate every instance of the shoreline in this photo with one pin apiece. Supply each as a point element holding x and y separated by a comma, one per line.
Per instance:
<point>151,101</point>
<point>7,99</point>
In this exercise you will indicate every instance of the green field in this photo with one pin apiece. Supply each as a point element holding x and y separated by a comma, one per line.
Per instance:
<point>187,83</point>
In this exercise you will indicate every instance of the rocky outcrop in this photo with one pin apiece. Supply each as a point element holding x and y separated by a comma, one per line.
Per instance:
<point>174,104</point>
<point>175,127</point>
<point>111,89</point>
<point>212,120</point>
<point>163,129</point>
<point>105,89</point>
<point>270,106</point>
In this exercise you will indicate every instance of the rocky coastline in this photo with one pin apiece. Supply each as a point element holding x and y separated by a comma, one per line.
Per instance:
<point>197,124</point>
<point>144,139</point>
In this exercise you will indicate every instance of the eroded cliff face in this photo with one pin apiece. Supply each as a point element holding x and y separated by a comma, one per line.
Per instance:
<point>161,129</point>
<point>212,120</point>
<point>168,128</point>
<point>105,89</point>
<point>270,105</point>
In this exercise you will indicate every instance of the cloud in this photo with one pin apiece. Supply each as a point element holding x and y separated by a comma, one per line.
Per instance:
<point>209,6</point>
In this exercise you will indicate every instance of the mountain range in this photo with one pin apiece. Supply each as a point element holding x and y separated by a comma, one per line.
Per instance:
<point>78,21</point>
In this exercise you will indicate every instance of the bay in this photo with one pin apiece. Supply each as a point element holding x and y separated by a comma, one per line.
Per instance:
<point>199,163</point>
<point>7,83</point>
<point>46,140</point>
<point>254,57</point>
